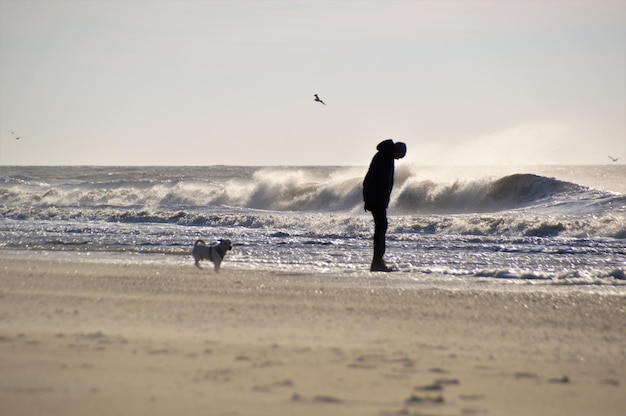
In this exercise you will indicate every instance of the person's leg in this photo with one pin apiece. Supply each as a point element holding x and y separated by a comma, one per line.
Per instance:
<point>380,232</point>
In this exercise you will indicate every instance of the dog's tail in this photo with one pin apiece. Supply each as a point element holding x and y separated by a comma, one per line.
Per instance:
<point>200,242</point>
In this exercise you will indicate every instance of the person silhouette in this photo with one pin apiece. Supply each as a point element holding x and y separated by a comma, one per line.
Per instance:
<point>377,187</point>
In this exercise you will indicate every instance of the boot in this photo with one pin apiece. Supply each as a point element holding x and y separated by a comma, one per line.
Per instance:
<point>379,266</point>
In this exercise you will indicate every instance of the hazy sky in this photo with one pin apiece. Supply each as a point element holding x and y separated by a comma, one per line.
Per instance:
<point>232,82</point>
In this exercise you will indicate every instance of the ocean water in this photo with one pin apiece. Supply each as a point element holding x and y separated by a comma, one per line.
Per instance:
<point>537,226</point>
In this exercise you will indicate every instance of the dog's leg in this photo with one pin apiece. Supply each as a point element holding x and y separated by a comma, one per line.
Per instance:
<point>198,265</point>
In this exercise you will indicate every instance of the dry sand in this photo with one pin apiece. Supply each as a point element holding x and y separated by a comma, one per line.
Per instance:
<point>97,338</point>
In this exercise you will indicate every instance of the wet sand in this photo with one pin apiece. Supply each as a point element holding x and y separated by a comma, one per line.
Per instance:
<point>102,339</point>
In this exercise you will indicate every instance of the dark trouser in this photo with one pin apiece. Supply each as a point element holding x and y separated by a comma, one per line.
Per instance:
<point>380,231</point>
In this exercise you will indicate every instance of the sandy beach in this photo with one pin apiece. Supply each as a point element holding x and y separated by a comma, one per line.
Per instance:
<point>81,338</point>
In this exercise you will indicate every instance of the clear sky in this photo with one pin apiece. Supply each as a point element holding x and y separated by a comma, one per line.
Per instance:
<point>134,82</point>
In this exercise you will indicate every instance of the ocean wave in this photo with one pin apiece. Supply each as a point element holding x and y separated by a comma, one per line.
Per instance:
<point>293,189</point>
<point>611,225</point>
<point>488,195</point>
<point>610,277</point>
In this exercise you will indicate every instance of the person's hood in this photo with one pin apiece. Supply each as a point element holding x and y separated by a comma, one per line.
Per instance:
<point>386,146</point>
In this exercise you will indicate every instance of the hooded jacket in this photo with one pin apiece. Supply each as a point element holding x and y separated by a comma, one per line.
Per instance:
<point>378,181</point>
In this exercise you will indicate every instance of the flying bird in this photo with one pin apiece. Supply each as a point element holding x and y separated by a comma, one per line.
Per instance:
<point>16,137</point>
<point>614,159</point>
<point>318,99</point>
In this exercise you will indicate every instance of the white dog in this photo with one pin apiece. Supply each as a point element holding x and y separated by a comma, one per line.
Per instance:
<point>214,252</point>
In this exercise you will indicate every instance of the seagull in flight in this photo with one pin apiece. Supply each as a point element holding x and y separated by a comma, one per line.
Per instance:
<point>614,159</point>
<point>318,99</point>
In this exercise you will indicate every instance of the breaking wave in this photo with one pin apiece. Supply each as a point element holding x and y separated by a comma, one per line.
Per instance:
<point>293,189</point>
<point>520,204</point>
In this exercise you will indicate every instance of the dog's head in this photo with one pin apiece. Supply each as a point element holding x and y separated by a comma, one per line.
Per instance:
<point>225,244</point>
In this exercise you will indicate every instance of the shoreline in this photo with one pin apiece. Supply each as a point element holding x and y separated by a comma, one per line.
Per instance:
<point>357,277</point>
<point>101,338</point>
